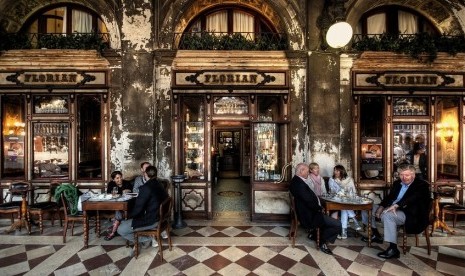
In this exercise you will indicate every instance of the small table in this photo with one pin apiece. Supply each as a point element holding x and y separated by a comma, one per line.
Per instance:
<point>23,190</point>
<point>334,203</point>
<point>438,222</point>
<point>95,204</point>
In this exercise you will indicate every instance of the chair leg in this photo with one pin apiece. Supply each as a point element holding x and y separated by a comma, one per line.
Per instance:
<point>168,232</point>
<point>28,215</point>
<point>318,238</point>
<point>65,229</point>
<point>72,228</point>
<point>428,242</point>
<point>136,244</point>
<point>454,221</point>
<point>160,246</point>
<point>404,241</point>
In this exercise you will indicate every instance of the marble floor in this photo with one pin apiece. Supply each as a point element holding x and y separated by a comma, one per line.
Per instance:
<point>231,195</point>
<point>222,247</point>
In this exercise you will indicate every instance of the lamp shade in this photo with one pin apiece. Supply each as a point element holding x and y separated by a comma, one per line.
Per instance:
<point>339,34</point>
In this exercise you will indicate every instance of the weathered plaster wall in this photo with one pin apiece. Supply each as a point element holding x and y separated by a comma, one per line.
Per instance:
<point>324,111</point>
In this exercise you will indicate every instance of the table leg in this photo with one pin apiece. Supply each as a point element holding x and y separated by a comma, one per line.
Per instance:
<point>369,228</point>
<point>86,229</point>
<point>23,219</point>
<point>438,222</point>
<point>97,225</point>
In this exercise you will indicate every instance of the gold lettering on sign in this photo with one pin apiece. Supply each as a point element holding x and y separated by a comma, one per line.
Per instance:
<point>50,78</point>
<point>231,78</point>
<point>410,80</point>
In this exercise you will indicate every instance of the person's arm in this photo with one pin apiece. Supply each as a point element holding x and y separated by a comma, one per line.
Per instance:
<point>333,185</point>
<point>110,186</point>
<point>139,205</point>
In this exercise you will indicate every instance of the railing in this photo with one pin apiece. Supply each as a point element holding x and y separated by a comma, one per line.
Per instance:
<point>230,41</point>
<point>414,45</point>
<point>81,41</point>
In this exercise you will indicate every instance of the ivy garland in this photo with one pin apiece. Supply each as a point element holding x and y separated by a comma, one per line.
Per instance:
<point>421,46</point>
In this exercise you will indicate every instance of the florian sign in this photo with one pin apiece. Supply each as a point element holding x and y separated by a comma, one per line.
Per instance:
<point>408,81</point>
<point>230,80</point>
<point>53,79</point>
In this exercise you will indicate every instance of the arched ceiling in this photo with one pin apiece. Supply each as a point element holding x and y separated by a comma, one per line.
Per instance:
<point>439,12</point>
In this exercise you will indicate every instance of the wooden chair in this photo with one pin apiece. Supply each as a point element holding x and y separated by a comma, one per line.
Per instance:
<point>295,223</point>
<point>452,208</point>
<point>12,207</point>
<point>43,207</point>
<point>164,224</point>
<point>425,232</point>
<point>69,218</point>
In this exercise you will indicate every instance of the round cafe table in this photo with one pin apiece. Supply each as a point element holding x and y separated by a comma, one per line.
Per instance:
<point>23,190</point>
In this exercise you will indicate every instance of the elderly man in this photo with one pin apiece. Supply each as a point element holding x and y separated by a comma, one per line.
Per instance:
<point>309,210</point>
<point>145,212</point>
<point>407,203</point>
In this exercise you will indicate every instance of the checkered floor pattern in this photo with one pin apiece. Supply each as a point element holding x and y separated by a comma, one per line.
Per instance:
<point>222,248</point>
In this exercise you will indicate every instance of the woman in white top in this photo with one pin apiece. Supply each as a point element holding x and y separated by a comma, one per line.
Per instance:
<point>341,183</point>
<point>315,181</point>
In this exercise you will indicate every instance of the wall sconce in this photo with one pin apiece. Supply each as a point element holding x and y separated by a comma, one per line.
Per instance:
<point>446,131</point>
<point>340,32</point>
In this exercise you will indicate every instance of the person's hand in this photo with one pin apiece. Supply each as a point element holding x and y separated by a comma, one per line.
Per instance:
<point>392,208</point>
<point>126,191</point>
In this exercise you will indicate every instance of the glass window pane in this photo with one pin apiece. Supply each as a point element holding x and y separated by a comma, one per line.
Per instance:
<point>447,138</point>
<point>230,105</point>
<point>217,22</point>
<point>371,133</point>
<point>50,104</point>
<point>410,144</point>
<point>410,106</point>
<point>13,132</point>
<point>269,108</point>
<point>50,153</point>
<point>89,132</point>
<point>194,146</point>
<point>267,153</point>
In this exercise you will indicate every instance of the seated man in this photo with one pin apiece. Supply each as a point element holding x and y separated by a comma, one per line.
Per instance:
<point>407,203</point>
<point>145,212</point>
<point>309,211</point>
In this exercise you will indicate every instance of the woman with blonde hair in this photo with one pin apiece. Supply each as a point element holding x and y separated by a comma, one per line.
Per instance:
<point>315,181</point>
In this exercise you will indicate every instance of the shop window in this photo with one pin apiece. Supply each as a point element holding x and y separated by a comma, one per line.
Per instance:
<point>269,108</point>
<point>194,143</point>
<point>13,134</point>
<point>50,104</point>
<point>51,149</point>
<point>410,106</point>
<point>89,131</point>
<point>447,138</point>
<point>230,105</point>
<point>410,147</point>
<point>371,133</point>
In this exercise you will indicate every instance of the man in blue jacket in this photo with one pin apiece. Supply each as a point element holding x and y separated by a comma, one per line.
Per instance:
<point>145,214</point>
<point>309,210</point>
<point>408,202</point>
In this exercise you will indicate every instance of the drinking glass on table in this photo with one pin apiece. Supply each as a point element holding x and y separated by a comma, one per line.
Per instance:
<point>114,192</point>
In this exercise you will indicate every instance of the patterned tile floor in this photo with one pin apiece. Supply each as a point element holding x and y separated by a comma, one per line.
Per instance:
<point>222,247</point>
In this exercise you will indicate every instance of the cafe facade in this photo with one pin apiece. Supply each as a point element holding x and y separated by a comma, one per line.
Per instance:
<point>152,94</point>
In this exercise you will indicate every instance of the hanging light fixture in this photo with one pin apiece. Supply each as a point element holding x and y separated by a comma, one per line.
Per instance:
<point>339,33</point>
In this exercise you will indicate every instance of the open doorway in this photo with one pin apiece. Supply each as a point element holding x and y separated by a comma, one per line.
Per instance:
<point>231,172</point>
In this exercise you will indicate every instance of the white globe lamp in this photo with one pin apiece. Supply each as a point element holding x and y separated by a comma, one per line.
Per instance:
<point>339,34</point>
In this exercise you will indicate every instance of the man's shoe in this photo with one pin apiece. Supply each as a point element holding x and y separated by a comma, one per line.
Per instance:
<point>154,242</point>
<point>311,236</point>
<point>325,249</point>
<point>164,235</point>
<point>145,244</point>
<point>374,238</point>
<point>389,253</point>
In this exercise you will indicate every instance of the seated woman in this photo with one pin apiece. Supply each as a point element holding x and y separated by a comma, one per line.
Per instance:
<point>315,181</point>
<point>339,183</point>
<point>123,186</point>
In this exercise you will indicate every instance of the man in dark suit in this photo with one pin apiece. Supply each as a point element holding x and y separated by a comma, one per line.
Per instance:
<point>309,210</point>
<point>145,214</point>
<point>408,202</point>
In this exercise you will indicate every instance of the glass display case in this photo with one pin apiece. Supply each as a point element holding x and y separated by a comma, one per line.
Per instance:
<point>50,152</point>
<point>410,106</point>
<point>13,133</point>
<point>266,152</point>
<point>194,150</point>
<point>50,104</point>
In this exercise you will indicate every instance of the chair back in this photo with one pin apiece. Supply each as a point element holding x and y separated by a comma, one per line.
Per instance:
<point>447,191</point>
<point>292,208</point>
<point>65,204</point>
<point>15,188</point>
<point>165,214</point>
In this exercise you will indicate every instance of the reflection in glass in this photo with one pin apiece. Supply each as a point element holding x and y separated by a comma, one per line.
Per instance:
<point>371,132</point>
<point>410,144</point>
<point>89,137</point>
<point>230,105</point>
<point>50,104</point>
<point>447,138</point>
<point>13,133</point>
<point>269,108</point>
<point>410,106</point>
<point>50,150</point>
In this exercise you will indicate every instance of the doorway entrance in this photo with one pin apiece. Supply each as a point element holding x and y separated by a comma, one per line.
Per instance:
<point>230,167</point>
